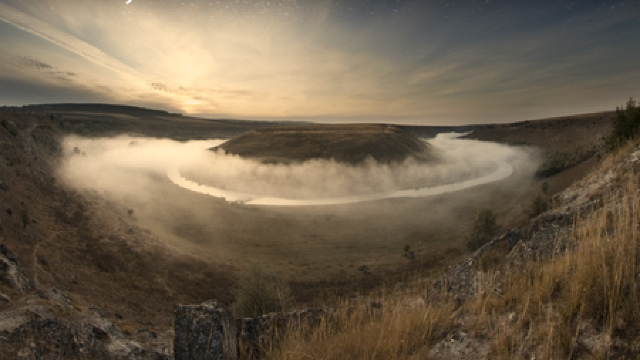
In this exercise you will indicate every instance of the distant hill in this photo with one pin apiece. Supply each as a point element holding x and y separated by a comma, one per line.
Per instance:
<point>350,143</point>
<point>565,133</point>
<point>110,120</point>
<point>101,108</point>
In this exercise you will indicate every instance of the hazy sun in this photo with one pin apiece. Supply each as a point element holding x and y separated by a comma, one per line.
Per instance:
<point>191,105</point>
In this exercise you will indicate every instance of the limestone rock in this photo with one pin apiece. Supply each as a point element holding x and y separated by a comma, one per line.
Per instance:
<point>204,332</point>
<point>10,273</point>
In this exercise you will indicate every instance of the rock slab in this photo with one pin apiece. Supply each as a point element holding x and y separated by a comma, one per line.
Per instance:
<point>204,332</point>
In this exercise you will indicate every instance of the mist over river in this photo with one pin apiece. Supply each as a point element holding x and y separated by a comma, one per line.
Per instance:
<point>227,209</point>
<point>462,164</point>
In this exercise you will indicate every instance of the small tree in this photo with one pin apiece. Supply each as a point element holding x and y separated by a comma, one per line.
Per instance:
<point>484,228</point>
<point>259,294</point>
<point>625,125</point>
<point>539,204</point>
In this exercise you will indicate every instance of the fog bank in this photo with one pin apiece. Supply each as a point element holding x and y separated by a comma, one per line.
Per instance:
<point>124,166</point>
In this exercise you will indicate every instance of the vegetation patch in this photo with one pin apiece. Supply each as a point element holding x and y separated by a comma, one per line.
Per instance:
<point>574,302</point>
<point>260,293</point>
<point>9,127</point>
<point>483,230</point>
<point>539,204</point>
<point>580,300</point>
<point>558,161</point>
<point>625,125</point>
<point>394,332</point>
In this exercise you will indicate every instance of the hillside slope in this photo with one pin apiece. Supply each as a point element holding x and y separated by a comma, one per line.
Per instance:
<point>565,286</point>
<point>352,143</point>
<point>572,145</point>
<point>78,279</point>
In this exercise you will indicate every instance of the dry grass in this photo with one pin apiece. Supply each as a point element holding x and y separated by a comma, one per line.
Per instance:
<point>395,332</point>
<point>582,303</point>
<point>591,291</point>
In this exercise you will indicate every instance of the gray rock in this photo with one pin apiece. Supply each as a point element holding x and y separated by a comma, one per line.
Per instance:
<point>463,280</point>
<point>204,332</point>
<point>11,274</point>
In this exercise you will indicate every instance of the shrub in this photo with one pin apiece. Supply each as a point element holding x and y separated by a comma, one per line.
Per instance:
<point>408,253</point>
<point>625,125</point>
<point>10,128</point>
<point>545,187</point>
<point>259,294</point>
<point>539,205</point>
<point>483,229</point>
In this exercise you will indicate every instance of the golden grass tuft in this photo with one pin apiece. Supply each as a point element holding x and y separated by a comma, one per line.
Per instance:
<point>594,284</point>
<point>397,331</point>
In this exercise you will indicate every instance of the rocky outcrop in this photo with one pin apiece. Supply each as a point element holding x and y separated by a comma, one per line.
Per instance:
<point>550,232</point>
<point>463,281</point>
<point>209,332</point>
<point>67,253</point>
<point>10,274</point>
<point>48,327</point>
<point>459,345</point>
<point>205,332</point>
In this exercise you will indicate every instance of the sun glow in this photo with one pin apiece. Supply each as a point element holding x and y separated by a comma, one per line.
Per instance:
<point>191,106</point>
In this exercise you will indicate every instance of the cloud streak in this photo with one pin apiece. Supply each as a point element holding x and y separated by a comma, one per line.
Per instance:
<point>414,61</point>
<point>38,27</point>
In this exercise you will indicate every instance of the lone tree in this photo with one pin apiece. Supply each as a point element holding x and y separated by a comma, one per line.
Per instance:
<point>484,228</point>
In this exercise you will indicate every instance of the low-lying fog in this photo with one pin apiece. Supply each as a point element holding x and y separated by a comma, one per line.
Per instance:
<point>461,164</point>
<point>189,196</point>
<point>109,165</point>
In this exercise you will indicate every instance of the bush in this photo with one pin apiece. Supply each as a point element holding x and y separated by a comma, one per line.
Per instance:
<point>10,128</point>
<point>484,228</point>
<point>625,125</point>
<point>259,294</point>
<point>539,205</point>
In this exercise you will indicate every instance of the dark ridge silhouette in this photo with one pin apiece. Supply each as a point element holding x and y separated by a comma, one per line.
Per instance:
<point>101,108</point>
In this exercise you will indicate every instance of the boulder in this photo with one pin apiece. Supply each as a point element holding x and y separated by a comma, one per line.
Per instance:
<point>204,332</point>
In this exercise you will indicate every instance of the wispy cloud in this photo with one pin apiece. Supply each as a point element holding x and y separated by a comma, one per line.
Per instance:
<point>126,75</point>
<point>43,30</point>
<point>423,60</point>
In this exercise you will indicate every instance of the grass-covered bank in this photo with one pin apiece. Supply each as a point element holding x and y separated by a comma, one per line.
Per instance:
<point>579,301</point>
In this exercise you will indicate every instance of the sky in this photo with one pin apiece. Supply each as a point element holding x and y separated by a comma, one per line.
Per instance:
<point>429,62</point>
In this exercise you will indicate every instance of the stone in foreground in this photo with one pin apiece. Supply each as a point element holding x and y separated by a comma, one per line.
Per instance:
<point>204,332</point>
